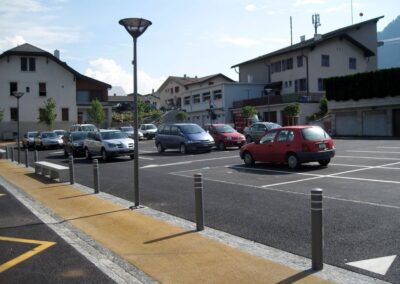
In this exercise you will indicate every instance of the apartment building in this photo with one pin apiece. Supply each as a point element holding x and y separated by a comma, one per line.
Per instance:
<point>40,75</point>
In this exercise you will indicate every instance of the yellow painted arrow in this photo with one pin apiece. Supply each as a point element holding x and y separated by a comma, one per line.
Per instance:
<point>42,246</point>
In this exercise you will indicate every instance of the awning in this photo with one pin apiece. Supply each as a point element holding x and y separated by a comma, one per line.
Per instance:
<point>273,85</point>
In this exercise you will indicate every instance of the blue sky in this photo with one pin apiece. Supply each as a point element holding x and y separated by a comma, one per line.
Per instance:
<point>192,37</point>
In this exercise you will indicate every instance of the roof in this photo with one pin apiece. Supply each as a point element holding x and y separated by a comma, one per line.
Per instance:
<point>342,32</point>
<point>30,50</point>
<point>187,81</point>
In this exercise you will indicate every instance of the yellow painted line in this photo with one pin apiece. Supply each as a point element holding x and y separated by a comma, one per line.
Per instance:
<point>42,246</point>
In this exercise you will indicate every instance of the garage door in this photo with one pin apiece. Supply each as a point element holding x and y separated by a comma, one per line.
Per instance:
<point>375,123</point>
<point>346,123</point>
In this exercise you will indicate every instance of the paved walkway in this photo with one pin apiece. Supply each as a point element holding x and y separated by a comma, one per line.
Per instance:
<point>167,253</point>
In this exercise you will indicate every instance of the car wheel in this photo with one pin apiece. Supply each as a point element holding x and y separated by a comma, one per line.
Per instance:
<point>183,149</point>
<point>160,148</point>
<point>293,161</point>
<point>248,159</point>
<point>132,157</point>
<point>221,146</point>
<point>248,139</point>
<point>87,154</point>
<point>324,163</point>
<point>104,155</point>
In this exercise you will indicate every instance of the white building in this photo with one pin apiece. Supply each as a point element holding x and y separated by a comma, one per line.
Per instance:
<point>41,75</point>
<point>296,73</point>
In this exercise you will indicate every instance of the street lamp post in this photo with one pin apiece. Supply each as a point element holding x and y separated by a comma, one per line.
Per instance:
<point>135,27</point>
<point>18,95</point>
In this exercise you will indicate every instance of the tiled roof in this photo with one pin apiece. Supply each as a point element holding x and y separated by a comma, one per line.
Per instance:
<point>186,81</point>
<point>312,42</point>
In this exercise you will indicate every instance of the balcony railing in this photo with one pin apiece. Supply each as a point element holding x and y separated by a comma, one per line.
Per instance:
<point>279,99</point>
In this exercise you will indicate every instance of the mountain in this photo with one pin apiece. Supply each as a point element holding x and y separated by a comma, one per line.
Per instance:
<point>389,52</point>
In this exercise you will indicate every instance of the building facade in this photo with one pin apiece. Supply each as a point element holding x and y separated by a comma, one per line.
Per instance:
<point>40,75</point>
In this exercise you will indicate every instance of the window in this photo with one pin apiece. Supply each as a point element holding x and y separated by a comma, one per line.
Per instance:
<point>13,114</point>
<point>321,84</point>
<point>300,85</point>
<point>206,97</point>
<point>217,94</point>
<point>186,100</point>
<point>176,89</point>
<point>287,64</point>
<point>325,60</point>
<point>276,67</point>
<point>300,61</point>
<point>42,89</point>
<point>27,89</point>
<point>352,63</point>
<point>28,64</point>
<point>65,114</point>
<point>13,88</point>
<point>82,97</point>
<point>196,99</point>
<point>172,90</point>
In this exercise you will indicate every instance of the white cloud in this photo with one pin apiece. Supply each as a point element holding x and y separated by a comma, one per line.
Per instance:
<point>108,71</point>
<point>307,2</point>
<point>23,6</point>
<point>251,8</point>
<point>11,42</point>
<point>239,41</point>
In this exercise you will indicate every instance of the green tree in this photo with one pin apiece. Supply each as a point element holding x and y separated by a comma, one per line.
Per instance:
<point>181,116</point>
<point>47,114</point>
<point>249,111</point>
<point>96,113</point>
<point>292,111</point>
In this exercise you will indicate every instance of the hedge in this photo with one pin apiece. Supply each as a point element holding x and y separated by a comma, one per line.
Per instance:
<point>376,84</point>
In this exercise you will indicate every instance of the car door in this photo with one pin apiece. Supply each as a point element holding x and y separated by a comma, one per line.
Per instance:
<point>175,137</point>
<point>283,144</point>
<point>262,149</point>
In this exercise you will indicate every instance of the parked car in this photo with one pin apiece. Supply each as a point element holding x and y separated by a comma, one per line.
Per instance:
<point>60,133</point>
<point>83,127</point>
<point>128,130</point>
<point>29,139</point>
<point>149,130</point>
<point>258,130</point>
<point>108,143</point>
<point>292,145</point>
<point>225,136</point>
<point>73,143</point>
<point>47,139</point>
<point>183,136</point>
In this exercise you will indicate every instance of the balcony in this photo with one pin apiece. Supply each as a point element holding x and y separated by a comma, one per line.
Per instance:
<point>280,99</point>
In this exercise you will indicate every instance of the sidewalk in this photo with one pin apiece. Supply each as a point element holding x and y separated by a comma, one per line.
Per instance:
<point>167,253</point>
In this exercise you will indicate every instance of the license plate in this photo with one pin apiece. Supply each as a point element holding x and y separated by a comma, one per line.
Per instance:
<point>322,146</point>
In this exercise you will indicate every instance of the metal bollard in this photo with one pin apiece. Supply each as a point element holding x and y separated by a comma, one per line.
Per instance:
<point>198,194</point>
<point>7,154</point>
<point>12,154</point>
<point>36,157</point>
<point>96,176</point>
<point>26,158</point>
<point>71,169</point>
<point>317,229</point>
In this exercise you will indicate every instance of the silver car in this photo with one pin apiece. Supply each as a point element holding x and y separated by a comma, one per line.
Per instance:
<point>149,130</point>
<point>108,143</point>
<point>47,139</point>
<point>258,130</point>
<point>29,139</point>
<point>128,130</point>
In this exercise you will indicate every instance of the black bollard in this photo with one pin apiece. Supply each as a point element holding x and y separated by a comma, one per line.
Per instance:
<point>198,193</point>
<point>317,229</point>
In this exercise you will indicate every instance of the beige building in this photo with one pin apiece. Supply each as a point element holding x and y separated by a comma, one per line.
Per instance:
<point>296,73</point>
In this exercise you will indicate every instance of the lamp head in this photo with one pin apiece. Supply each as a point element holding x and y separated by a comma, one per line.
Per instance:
<point>135,26</point>
<point>18,94</point>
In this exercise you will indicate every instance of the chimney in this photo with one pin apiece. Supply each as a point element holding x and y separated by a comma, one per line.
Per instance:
<point>317,36</point>
<point>57,53</point>
<point>302,38</point>
<point>184,76</point>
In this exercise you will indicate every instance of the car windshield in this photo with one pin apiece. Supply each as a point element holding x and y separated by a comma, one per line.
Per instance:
<point>150,126</point>
<point>88,128</point>
<point>272,126</point>
<point>127,129</point>
<point>224,129</point>
<point>314,133</point>
<point>112,135</point>
<point>59,132</point>
<point>32,134</point>
<point>191,129</point>
<point>78,135</point>
<point>49,135</point>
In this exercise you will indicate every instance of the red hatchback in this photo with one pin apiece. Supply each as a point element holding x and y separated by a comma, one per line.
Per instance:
<point>292,145</point>
<point>225,136</point>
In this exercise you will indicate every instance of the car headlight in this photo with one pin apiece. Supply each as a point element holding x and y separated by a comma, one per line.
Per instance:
<point>75,144</point>
<point>191,141</point>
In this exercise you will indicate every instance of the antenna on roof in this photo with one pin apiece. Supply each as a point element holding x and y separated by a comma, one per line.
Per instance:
<point>316,22</point>
<point>291,31</point>
<point>351,9</point>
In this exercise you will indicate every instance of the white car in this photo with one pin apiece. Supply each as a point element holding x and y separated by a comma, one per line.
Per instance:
<point>108,143</point>
<point>149,130</point>
<point>129,131</point>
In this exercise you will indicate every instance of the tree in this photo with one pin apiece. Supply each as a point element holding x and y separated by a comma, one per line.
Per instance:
<point>1,114</point>
<point>181,116</point>
<point>96,113</point>
<point>249,111</point>
<point>292,111</point>
<point>47,114</point>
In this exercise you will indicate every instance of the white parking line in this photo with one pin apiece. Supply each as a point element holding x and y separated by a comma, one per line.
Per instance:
<point>146,158</point>
<point>369,158</point>
<point>380,152</point>
<point>56,153</point>
<point>386,147</point>
<point>186,162</point>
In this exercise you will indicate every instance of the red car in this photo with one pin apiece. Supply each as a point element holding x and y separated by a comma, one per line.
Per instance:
<point>292,145</point>
<point>225,136</point>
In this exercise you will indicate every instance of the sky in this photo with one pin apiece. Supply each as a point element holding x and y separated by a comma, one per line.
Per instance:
<point>187,37</point>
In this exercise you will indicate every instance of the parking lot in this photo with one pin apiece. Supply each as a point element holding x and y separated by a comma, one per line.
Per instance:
<point>270,204</point>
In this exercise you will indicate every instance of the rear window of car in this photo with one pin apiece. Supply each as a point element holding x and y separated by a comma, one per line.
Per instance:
<point>314,133</point>
<point>224,129</point>
<point>79,135</point>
